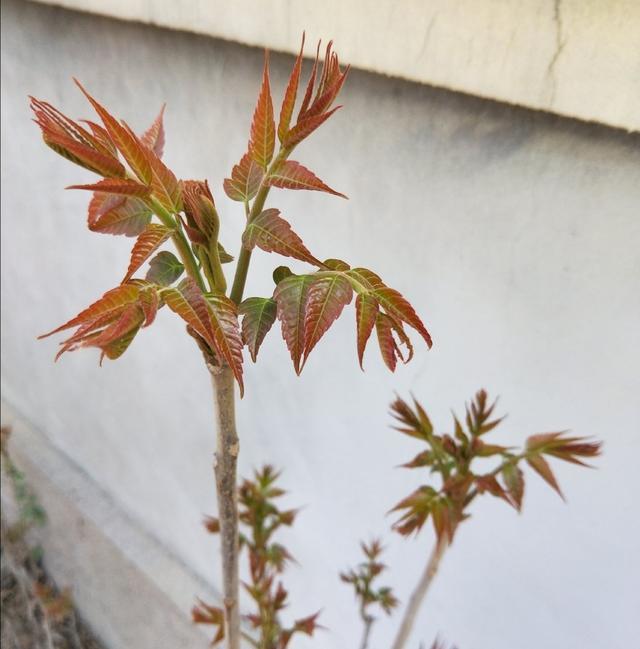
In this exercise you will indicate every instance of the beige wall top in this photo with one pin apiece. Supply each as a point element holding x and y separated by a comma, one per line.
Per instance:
<point>579,58</point>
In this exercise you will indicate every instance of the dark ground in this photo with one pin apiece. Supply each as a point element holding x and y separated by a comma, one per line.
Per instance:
<point>35,614</point>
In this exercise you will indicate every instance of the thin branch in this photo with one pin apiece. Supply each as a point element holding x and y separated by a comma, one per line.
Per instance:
<point>227,448</point>
<point>418,595</point>
<point>244,258</point>
<point>368,624</point>
<point>180,241</point>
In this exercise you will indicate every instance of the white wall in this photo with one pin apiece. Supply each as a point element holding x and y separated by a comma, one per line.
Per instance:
<point>569,57</point>
<point>515,234</point>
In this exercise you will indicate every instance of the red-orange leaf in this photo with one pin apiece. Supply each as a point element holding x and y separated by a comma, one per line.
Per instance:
<point>272,233</point>
<point>205,614</point>
<point>213,318</point>
<point>189,303</point>
<point>227,334</point>
<point>124,139</point>
<point>101,136</point>
<point>386,341</point>
<point>263,128</point>
<point>399,331</point>
<point>399,308</point>
<point>542,468</point>
<point>130,320</point>
<point>490,483</point>
<point>72,141</point>
<point>149,301</point>
<point>164,185</point>
<point>119,215</point>
<point>52,121</point>
<point>120,186</point>
<point>367,279</point>
<point>306,126</point>
<point>289,100</point>
<point>105,165</point>
<point>291,297</point>
<point>329,87</point>
<point>308,93</point>
<point>326,298</point>
<point>100,204</point>
<point>259,315</point>
<point>563,447</point>
<point>366,313</point>
<point>153,236</point>
<point>86,333</point>
<point>114,349</point>
<point>514,481</point>
<point>153,137</point>
<point>292,175</point>
<point>245,179</point>
<point>112,322</point>
<point>388,329</point>
<point>111,302</point>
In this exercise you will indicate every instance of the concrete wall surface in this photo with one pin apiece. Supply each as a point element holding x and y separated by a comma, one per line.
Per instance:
<point>571,57</point>
<point>515,234</point>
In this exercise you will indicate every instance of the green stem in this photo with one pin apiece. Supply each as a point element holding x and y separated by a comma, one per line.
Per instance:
<point>240,278</point>
<point>219,280</point>
<point>206,267</point>
<point>244,258</point>
<point>514,459</point>
<point>180,242</point>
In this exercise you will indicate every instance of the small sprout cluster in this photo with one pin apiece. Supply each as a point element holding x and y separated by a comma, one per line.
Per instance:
<point>367,594</point>
<point>451,456</point>
<point>267,560</point>
<point>140,196</point>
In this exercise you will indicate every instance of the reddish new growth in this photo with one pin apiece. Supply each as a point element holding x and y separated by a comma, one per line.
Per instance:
<point>451,457</point>
<point>267,561</point>
<point>446,501</point>
<point>368,594</point>
<point>139,196</point>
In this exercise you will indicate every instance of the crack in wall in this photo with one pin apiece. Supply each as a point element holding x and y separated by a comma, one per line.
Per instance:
<point>427,36</point>
<point>561,41</point>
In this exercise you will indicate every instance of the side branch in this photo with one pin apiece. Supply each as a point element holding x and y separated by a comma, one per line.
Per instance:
<point>227,448</point>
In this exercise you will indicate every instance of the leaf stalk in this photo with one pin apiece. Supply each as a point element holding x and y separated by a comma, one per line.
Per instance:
<point>180,241</point>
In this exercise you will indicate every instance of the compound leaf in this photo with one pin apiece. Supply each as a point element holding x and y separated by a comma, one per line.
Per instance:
<point>126,142</point>
<point>110,303</point>
<point>214,318</point>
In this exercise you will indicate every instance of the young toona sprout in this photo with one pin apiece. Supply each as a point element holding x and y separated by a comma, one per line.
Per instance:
<point>138,195</point>
<point>455,480</point>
